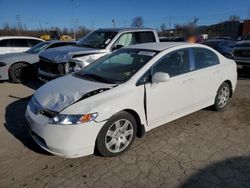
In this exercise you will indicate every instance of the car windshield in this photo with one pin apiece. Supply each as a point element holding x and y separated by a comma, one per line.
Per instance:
<point>117,67</point>
<point>97,39</point>
<point>38,48</point>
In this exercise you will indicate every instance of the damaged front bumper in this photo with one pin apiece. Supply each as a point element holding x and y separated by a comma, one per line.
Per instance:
<point>45,76</point>
<point>68,141</point>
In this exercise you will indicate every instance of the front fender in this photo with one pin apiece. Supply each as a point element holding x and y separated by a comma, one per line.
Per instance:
<point>110,102</point>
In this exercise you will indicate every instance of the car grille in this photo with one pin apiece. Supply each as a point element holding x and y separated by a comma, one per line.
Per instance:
<point>51,67</point>
<point>241,52</point>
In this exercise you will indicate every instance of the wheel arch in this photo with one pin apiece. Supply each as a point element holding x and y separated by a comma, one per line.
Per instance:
<point>23,62</point>
<point>140,126</point>
<point>230,85</point>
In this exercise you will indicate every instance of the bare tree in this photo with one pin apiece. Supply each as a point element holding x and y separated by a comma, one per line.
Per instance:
<point>137,22</point>
<point>163,27</point>
<point>234,18</point>
<point>195,21</point>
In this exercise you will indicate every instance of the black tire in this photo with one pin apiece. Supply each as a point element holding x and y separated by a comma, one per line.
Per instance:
<point>217,103</point>
<point>19,72</point>
<point>101,142</point>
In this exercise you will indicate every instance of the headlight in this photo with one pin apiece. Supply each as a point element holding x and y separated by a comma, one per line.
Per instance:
<point>64,119</point>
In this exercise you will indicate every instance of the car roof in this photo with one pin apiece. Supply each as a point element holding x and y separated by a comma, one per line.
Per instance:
<point>216,40</point>
<point>244,42</point>
<point>159,46</point>
<point>123,29</point>
<point>19,37</point>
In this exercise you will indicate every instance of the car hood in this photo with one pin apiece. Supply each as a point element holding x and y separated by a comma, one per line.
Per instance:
<point>15,56</point>
<point>244,43</point>
<point>65,53</point>
<point>60,93</point>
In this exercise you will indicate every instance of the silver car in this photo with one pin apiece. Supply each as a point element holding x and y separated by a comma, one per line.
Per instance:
<point>17,67</point>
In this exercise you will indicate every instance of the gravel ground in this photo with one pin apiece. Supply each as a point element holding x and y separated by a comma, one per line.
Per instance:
<point>204,149</point>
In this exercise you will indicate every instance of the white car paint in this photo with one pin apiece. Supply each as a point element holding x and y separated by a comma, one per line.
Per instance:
<point>6,49</point>
<point>165,101</point>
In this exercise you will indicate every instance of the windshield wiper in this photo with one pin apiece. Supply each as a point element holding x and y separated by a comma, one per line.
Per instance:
<point>94,77</point>
<point>99,78</point>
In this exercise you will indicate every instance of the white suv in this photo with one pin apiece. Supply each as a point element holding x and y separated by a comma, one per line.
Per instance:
<point>10,44</point>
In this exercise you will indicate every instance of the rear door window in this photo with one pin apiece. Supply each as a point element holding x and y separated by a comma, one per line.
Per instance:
<point>17,43</point>
<point>33,42</point>
<point>4,43</point>
<point>204,58</point>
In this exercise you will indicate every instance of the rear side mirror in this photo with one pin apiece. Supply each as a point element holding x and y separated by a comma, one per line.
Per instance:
<point>160,77</point>
<point>118,47</point>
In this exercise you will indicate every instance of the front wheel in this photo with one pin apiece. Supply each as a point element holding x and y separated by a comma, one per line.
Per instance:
<point>222,97</point>
<point>18,72</point>
<point>116,135</point>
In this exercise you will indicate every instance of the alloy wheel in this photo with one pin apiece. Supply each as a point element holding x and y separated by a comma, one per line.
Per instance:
<point>223,96</point>
<point>119,135</point>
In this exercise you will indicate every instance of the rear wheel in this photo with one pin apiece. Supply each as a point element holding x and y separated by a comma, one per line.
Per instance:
<point>117,135</point>
<point>18,72</point>
<point>222,97</point>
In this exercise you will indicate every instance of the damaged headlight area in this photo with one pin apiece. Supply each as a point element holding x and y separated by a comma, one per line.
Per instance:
<point>64,119</point>
<point>75,65</point>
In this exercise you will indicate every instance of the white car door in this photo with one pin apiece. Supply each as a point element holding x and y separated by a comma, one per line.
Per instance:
<point>208,75</point>
<point>167,100</point>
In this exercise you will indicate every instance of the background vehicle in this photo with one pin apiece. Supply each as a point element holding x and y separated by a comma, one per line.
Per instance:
<point>242,54</point>
<point>172,39</point>
<point>10,44</point>
<point>64,60</point>
<point>130,91</point>
<point>14,66</point>
<point>224,46</point>
<point>55,35</point>
<point>223,38</point>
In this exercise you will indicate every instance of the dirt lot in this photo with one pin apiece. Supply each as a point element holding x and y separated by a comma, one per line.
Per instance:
<point>204,149</point>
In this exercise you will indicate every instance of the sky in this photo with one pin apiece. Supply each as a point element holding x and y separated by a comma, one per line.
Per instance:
<point>100,13</point>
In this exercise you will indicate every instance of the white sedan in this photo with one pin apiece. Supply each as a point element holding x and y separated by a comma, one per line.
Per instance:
<point>107,104</point>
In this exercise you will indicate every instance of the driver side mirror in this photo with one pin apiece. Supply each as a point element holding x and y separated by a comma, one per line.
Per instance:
<point>160,77</point>
<point>118,47</point>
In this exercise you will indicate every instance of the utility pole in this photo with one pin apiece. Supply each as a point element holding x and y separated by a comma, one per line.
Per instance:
<point>92,24</point>
<point>169,25</point>
<point>73,19</point>
<point>248,14</point>
<point>19,23</point>
<point>76,28</point>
